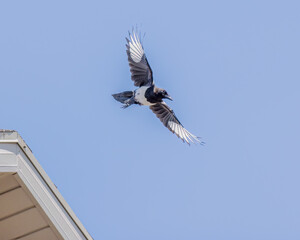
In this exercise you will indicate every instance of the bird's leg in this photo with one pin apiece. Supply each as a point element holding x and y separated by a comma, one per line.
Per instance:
<point>128,102</point>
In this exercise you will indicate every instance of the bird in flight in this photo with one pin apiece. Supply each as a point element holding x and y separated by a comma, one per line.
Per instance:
<point>147,93</point>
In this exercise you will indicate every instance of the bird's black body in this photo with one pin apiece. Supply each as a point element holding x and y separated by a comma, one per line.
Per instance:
<point>123,96</point>
<point>147,93</point>
<point>152,95</point>
<point>155,95</point>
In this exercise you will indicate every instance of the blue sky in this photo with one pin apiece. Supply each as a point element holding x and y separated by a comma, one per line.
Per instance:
<point>232,68</point>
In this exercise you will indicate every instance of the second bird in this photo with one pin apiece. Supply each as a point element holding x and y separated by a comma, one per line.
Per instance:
<point>147,93</point>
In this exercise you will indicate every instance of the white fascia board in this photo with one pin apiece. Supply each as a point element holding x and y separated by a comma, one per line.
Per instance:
<point>16,156</point>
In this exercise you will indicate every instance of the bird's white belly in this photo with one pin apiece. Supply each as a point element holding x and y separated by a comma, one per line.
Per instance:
<point>140,96</point>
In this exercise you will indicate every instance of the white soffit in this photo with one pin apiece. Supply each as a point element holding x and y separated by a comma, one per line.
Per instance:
<point>30,205</point>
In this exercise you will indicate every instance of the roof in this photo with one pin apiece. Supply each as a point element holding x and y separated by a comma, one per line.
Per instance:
<point>31,207</point>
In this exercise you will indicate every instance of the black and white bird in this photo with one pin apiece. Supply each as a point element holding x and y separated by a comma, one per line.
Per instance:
<point>147,93</point>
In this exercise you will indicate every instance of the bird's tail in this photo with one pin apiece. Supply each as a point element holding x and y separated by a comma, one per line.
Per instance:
<point>123,96</point>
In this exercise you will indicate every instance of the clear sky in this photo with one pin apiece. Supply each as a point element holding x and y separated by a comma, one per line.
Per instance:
<point>232,68</point>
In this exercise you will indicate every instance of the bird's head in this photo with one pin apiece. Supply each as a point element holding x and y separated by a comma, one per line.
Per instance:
<point>163,94</point>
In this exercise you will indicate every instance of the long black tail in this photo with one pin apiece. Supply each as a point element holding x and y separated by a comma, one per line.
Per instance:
<point>123,96</point>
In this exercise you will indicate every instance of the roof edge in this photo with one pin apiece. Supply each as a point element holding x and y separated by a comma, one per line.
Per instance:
<point>12,136</point>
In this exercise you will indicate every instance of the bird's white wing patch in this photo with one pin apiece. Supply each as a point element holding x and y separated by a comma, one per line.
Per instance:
<point>181,132</point>
<point>135,48</point>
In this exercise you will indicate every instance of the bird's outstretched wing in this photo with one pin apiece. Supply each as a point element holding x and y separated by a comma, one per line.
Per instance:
<point>141,72</point>
<point>168,118</point>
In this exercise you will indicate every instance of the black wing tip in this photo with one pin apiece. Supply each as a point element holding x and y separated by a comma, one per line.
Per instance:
<point>199,141</point>
<point>135,30</point>
<point>196,142</point>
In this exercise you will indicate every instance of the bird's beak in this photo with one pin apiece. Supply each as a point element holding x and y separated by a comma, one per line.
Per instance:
<point>168,97</point>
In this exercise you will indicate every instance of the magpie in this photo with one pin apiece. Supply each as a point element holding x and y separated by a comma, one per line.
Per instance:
<point>147,93</point>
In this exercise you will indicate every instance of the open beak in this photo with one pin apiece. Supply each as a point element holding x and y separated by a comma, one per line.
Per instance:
<point>168,97</point>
